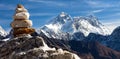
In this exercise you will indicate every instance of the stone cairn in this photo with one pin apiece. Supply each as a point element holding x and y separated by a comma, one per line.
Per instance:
<point>21,23</point>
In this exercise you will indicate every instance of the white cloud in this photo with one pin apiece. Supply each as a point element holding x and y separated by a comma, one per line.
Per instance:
<point>97,11</point>
<point>49,3</point>
<point>93,12</point>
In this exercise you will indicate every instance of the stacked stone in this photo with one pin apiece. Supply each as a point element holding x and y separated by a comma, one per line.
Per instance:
<point>21,24</point>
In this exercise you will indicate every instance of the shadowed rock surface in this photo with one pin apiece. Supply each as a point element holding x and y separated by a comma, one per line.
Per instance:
<point>114,39</point>
<point>93,50</point>
<point>85,49</point>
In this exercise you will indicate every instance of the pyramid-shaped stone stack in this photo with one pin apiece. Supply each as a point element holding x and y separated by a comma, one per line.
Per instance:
<point>21,24</point>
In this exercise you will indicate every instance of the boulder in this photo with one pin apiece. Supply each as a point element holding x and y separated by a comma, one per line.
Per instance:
<point>21,23</point>
<point>20,31</point>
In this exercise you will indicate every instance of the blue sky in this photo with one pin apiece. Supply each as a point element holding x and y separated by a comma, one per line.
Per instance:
<point>107,11</point>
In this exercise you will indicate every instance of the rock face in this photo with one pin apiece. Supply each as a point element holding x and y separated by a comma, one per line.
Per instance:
<point>114,39</point>
<point>32,48</point>
<point>21,23</point>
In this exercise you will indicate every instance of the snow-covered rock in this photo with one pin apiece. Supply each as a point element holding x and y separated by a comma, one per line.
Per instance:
<point>2,33</point>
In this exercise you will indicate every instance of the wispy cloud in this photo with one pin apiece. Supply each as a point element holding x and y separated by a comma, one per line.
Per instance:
<point>97,11</point>
<point>92,12</point>
<point>6,7</point>
<point>101,4</point>
<point>43,14</point>
<point>49,3</point>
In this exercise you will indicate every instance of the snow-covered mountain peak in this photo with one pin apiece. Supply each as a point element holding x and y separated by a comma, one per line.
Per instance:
<point>57,23</point>
<point>91,16</point>
<point>64,23</point>
<point>94,20</point>
<point>63,14</point>
<point>89,24</point>
<point>91,19</point>
<point>61,18</point>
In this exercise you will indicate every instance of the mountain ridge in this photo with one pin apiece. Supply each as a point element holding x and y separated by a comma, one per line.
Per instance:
<point>61,25</point>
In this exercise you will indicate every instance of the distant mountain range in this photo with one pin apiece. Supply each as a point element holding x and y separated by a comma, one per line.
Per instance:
<point>60,26</point>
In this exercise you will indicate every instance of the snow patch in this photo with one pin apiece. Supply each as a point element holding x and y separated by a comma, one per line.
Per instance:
<point>45,47</point>
<point>22,53</point>
<point>6,39</point>
<point>2,32</point>
<point>53,27</point>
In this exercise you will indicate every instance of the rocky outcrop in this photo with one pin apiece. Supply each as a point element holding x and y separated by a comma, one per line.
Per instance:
<point>29,47</point>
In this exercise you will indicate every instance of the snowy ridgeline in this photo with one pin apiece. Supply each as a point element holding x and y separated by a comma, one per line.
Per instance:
<point>65,23</point>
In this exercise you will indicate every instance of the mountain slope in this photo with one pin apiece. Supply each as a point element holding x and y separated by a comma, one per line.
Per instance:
<point>86,50</point>
<point>93,50</point>
<point>114,39</point>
